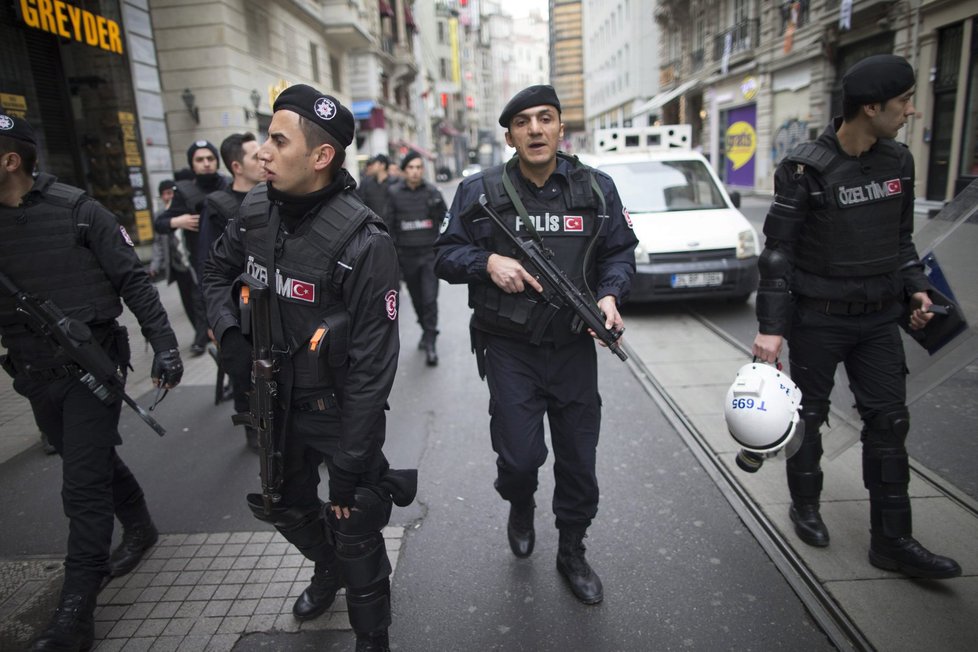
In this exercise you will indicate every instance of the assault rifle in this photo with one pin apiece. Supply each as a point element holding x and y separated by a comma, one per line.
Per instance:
<point>558,290</point>
<point>256,319</point>
<point>94,367</point>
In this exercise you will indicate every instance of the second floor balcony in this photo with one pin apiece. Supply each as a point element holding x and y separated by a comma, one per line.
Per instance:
<point>739,39</point>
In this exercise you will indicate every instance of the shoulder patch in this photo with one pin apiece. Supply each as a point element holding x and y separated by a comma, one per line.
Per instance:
<point>125,236</point>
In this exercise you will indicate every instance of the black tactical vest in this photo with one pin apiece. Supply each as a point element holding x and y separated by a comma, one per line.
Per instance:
<point>42,252</point>
<point>854,224</point>
<point>192,194</point>
<point>221,207</point>
<point>570,234</point>
<point>416,215</point>
<point>307,278</point>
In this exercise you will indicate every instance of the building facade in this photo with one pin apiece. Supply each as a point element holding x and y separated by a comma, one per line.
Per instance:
<point>567,69</point>
<point>755,78</point>
<point>621,54</point>
<point>90,86</point>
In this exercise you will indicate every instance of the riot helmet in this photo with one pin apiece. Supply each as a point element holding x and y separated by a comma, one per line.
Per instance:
<point>761,411</point>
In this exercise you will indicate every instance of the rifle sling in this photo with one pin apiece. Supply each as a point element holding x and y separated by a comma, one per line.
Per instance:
<point>279,348</point>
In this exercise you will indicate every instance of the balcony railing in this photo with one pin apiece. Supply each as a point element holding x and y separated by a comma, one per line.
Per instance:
<point>743,37</point>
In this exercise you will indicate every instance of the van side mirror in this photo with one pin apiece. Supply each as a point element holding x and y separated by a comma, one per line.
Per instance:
<point>735,198</point>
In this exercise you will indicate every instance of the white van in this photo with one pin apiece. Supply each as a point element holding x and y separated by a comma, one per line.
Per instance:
<point>693,242</point>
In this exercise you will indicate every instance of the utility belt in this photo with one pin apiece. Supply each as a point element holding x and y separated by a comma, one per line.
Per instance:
<point>46,374</point>
<point>324,403</point>
<point>834,307</point>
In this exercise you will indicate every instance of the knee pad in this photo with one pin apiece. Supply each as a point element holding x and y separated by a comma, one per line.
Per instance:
<point>886,466</point>
<point>358,542</point>
<point>369,607</point>
<point>302,527</point>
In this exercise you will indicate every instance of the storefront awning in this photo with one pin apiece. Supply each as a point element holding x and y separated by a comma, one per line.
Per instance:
<point>665,97</point>
<point>407,146</point>
<point>361,109</point>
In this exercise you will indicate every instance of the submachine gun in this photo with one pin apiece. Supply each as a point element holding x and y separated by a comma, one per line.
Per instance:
<point>558,290</point>
<point>255,305</point>
<point>94,368</point>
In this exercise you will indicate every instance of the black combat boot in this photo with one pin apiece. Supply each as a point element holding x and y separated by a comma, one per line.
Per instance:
<point>72,629</point>
<point>583,581</point>
<point>808,524</point>
<point>519,529</point>
<point>375,642</point>
<point>906,555</point>
<point>136,540</point>
<point>428,345</point>
<point>320,593</point>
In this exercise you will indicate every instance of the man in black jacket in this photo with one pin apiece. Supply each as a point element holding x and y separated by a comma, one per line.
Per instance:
<point>374,185</point>
<point>415,213</point>
<point>838,268</point>
<point>182,218</point>
<point>59,244</point>
<point>332,269</point>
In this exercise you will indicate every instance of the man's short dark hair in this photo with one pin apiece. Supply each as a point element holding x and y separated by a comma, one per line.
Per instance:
<point>23,149</point>
<point>232,148</point>
<point>316,136</point>
<point>851,108</point>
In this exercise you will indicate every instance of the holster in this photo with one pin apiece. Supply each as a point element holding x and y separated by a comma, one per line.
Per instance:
<point>478,340</point>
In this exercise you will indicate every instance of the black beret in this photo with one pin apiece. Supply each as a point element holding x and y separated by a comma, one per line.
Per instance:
<point>531,96</point>
<point>17,128</point>
<point>323,110</point>
<point>410,156</point>
<point>201,144</point>
<point>877,79</point>
<point>166,184</point>
<point>380,158</point>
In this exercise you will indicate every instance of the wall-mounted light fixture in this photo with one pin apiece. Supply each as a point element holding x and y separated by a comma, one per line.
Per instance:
<point>189,100</point>
<point>255,98</point>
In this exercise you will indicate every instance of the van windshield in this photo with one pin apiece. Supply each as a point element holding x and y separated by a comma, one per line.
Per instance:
<point>656,186</point>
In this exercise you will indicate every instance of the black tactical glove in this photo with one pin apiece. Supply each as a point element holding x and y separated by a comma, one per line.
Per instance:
<point>167,368</point>
<point>235,357</point>
<point>342,487</point>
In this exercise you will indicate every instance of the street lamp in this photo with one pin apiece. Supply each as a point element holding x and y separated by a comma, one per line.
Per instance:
<point>189,101</point>
<point>255,98</point>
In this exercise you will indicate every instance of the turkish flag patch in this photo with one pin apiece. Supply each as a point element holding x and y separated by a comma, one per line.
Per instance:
<point>303,291</point>
<point>894,187</point>
<point>573,223</point>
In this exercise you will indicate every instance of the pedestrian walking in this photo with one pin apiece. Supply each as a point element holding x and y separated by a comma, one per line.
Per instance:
<point>332,269</point>
<point>415,213</point>
<point>838,270</point>
<point>60,245</point>
<point>535,361</point>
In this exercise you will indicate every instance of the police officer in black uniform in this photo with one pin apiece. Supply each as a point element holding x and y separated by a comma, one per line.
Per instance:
<point>536,362</point>
<point>838,268</point>
<point>307,234</point>
<point>184,214</point>
<point>415,213</point>
<point>59,244</point>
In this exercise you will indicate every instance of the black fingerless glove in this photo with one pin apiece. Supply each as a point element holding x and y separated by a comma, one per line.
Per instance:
<point>167,367</point>
<point>235,356</point>
<point>343,487</point>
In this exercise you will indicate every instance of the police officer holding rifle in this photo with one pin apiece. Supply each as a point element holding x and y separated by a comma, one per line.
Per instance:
<point>532,335</point>
<point>305,243</point>
<point>67,262</point>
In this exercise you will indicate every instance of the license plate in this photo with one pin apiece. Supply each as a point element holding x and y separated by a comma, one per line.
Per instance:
<point>696,280</point>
